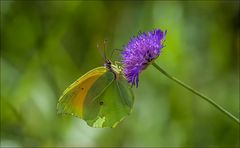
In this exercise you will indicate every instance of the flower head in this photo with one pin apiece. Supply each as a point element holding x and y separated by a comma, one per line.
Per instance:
<point>140,52</point>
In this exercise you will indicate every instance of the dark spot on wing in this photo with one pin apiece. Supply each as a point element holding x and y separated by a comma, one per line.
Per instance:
<point>82,88</point>
<point>101,102</point>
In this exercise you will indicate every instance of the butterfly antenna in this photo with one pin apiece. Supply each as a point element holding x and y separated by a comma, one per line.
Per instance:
<point>100,51</point>
<point>104,49</point>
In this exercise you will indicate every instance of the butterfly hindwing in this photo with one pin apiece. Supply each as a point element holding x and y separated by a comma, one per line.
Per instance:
<point>113,104</point>
<point>95,96</point>
<point>125,92</point>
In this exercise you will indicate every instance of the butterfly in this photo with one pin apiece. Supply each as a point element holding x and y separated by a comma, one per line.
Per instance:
<point>102,97</point>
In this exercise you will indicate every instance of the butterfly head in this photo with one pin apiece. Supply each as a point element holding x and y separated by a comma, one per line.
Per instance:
<point>108,64</point>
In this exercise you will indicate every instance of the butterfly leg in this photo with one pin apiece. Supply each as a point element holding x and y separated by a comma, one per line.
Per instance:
<point>117,63</point>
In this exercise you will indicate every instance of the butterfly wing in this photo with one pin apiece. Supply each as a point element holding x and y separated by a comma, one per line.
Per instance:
<point>98,98</point>
<point>73,98</point>
<point>115,103</point>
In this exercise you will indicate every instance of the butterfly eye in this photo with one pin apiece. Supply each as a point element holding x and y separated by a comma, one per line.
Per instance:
<point>101,102</point>
<point>108,62</point>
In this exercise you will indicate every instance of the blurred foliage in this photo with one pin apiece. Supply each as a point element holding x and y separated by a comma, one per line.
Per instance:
<point>46,45</point>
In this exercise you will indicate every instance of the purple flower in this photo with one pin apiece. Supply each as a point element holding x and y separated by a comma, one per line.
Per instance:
<point>140,52</point>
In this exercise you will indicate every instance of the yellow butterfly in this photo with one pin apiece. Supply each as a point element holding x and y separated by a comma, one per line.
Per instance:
<point>102,97</point>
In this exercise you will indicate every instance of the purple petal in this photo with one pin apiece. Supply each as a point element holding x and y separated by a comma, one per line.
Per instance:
<point>140,52</point>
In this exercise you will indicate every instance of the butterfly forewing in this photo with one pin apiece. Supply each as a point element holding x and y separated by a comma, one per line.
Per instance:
<point>72,100</point>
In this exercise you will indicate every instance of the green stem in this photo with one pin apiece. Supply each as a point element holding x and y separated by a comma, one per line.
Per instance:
<point>197,93</point>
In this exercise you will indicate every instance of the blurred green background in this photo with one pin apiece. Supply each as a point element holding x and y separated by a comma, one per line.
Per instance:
<point>46,45</point>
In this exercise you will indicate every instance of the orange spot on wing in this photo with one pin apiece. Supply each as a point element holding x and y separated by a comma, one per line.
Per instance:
<point>83,90</point>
